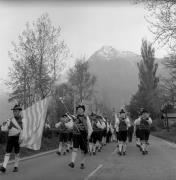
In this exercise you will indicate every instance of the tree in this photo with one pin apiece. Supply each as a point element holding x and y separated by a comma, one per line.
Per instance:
<point>147,68</point>
<point>168,86</point>
<point>82,80</point>
<point>147,95</point>
<point>162,19</point>
<point>37,59</point>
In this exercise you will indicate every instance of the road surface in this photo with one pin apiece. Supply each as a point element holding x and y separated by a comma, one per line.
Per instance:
<point>159,164</point>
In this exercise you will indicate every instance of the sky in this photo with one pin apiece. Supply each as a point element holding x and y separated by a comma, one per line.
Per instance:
<point>85,27</point>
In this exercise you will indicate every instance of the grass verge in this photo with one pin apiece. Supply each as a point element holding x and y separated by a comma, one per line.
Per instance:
<point>164,134</point>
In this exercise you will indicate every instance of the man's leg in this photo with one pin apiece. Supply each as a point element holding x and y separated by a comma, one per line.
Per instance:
<point>59,149</point>
<point>17,159</point>
<point>76,143</point>
<point>120,147</point>
<point>117,137</point>
<point>9,148</point>
<point>84,149</point>
<point>17,155</point>
<point>5,162</point>
<point>73,157</point>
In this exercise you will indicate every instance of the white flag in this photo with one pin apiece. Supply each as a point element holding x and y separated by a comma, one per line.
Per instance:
<point>33,124</point>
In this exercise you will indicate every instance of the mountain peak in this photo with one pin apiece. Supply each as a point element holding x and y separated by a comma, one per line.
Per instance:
<point>108,53</point>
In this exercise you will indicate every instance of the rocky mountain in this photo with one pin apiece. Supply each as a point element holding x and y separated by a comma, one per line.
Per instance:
<point>117,75</point>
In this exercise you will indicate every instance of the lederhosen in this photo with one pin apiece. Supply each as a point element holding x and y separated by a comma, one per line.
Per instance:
<point>80,134</point>
<point>122,130</point>
<point>70,135</point>
<point>63,133</point>
<point>144,130</point>
<point>95,136</point>
<point>13,141</point>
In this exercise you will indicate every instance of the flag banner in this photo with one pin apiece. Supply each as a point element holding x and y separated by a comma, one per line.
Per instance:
<point>90,130</point>
<point>33,124</point>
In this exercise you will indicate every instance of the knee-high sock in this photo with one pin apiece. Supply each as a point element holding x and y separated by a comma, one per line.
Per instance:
<point>143,146</point>
<point>98,145</point>
<point>91,147</point>
<point>60,147</point>
<point>64,146</point>
<point>6,160</point>
<point>74,154</point>
<point>68,145</point>
<point>17,159</point>
<point>124,146</point>
<point>104,140</point>
<point>94,147</point>
<point>71,144</point>
<point>146,145</point>
<point>137,141</point>
<point>83,158</point>
<point>120,146</point>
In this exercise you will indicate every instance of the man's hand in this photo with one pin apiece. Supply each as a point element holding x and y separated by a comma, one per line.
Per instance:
<point>4,123</point>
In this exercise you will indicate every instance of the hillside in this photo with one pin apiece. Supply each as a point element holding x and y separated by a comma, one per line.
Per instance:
<point>117,74</point>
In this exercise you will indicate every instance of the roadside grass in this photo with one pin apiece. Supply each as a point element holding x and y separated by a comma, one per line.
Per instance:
<point>164,134</point>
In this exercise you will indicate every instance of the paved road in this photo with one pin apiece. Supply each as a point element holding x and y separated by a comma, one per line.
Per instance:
<point>160,164</point>
<point>54,167</point>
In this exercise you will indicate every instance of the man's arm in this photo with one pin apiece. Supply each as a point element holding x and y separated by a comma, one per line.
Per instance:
<point>57,124</point>
<point>5,126</point>
<point>149,120</point>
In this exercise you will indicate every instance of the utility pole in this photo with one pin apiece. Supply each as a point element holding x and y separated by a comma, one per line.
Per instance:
<point>74,99</point>
<point>74,102</point>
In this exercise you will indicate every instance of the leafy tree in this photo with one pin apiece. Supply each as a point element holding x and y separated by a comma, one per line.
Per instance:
<point>147,68</point>
<point>37,59</point>
<point>82,80</point>
<point>161,17</point>
<point>147,95</point>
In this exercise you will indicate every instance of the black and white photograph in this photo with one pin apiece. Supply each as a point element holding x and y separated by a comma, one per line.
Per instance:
<point>87,90</point>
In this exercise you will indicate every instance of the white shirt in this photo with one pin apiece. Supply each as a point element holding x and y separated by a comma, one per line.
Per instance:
<point>70,125</point>
<point>138,121</point>
<point>117,122</point>
<point>14,130</point>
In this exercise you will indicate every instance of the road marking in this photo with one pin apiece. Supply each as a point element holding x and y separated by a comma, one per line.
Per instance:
<point>98,168</point>
<point>115,150</point>
<point>93,172</point>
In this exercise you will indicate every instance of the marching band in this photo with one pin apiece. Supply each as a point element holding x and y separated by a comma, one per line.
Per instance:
<point>86,133</point>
